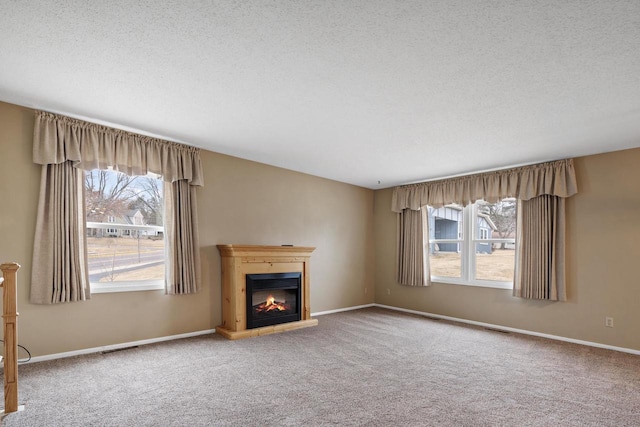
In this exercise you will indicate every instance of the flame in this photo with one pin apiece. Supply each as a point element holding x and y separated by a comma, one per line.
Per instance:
<point>272,305</point>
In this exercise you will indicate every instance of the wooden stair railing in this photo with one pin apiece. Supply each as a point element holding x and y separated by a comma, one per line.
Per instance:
<point>10,320</point>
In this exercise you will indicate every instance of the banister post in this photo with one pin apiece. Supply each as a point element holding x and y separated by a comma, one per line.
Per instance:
<point>10,320</point>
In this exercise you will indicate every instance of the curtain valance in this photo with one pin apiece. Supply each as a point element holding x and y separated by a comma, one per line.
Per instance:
<point>556,178</point>
<point>91,146</point>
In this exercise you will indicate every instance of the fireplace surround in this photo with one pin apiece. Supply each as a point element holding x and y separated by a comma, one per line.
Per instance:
<point>273,298</point>
<point>253,275</point>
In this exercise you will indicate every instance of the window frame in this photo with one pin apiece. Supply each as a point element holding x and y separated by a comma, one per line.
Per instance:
<point>125,285</point>
<point>467,248</point>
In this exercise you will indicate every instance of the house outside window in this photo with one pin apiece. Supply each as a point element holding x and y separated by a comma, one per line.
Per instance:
<point>484,233</point>
<point>125,232</point>
<point>473,245</point>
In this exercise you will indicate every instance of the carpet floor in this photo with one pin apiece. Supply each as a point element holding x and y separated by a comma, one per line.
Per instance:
<point>369,367</point>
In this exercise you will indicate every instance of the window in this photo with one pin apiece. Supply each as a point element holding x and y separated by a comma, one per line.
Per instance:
<point>473,245</point>
<point>125,233</point>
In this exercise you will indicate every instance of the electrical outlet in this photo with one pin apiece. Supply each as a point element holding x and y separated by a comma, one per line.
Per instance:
<point>608,322</point>
<point>365,291</point>
<point>388,291</point>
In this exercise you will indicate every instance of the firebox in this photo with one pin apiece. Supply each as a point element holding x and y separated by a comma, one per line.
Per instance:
<point>273,298</point>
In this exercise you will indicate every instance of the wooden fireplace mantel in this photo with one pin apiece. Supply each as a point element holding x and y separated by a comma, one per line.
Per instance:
<point>240,260</point>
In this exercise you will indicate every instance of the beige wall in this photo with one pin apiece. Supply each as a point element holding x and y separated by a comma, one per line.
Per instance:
<point>603,255</point>
<point>241,202</point>
<point>250,203</point>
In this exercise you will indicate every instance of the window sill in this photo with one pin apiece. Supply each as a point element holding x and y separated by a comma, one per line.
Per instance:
<point>140,285</point>
<point>478,284</point>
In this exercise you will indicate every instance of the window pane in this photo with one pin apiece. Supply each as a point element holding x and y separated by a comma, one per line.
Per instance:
<point>445,264</point>
<point>495,260</point>
<point>121,247</point>
<point>446,222</point>
<point>120,258</point>
<point>496,220</point>
<point>494,263</point>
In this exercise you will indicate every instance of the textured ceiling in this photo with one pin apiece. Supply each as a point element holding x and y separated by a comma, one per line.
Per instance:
<point>372,93</point>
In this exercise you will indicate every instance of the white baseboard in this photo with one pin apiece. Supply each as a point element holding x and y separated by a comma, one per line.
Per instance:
<point>508,329</point>
<point>338,310</point>
<point>117,346</point>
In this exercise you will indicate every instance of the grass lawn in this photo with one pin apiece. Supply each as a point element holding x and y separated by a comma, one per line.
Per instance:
<point>496,266</point>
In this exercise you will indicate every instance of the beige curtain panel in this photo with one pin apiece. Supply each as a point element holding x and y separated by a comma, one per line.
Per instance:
<point>413,236</point>
<point>540,272</point>
<point>59,272</point>
<point>553,178</point>
<point>182,273</point>
<point>60,266</point>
